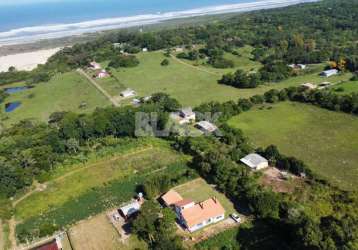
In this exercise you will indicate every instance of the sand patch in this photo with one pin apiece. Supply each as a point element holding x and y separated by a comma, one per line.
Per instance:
<point>26,61</point>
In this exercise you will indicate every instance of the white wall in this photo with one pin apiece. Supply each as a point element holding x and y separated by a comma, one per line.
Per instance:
<point>205,223</point>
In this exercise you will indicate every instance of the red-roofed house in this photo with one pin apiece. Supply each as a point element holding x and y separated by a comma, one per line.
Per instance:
<point>197,216</point>
<point>194,216</point>
<point>171,197</point>
<point>53,245</point>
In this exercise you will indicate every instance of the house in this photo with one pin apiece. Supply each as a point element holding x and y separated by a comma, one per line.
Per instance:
<point>147,98</point>
<point>117,45</point>
<point>196,216</point>
<point>187,114</point>
<point>309,86</point>
<point>131,208</point>
<point>170,198</point>
<point>297,66</point>
<point>255,161</point>
<point>183,116</point>
<point>145,50</point>
<point>330,72</point>
<point>52,245</point>
<point>206,127</point>
<point>301,66</point>
<point>136,102</point>
<point>102,74</point>
<point>179,49</point>
<point>128,93</point>
<point>95,65</point>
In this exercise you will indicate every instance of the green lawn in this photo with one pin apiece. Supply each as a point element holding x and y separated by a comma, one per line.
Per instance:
<point>242,61</point>
<point>63,93</point>
<point>78,181</point>
<point>327,141</point>
<point>199,190</point>
<point>348,87</point>
<point>193,86</point>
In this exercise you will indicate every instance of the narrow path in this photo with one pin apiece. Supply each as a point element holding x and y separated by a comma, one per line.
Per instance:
<point>194,67</point>
<point>12,233</point>
<point>40,187</point>
<point>2,236</point>
<point>97,86</point>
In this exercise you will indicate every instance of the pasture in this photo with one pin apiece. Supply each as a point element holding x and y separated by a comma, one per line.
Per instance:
<point>192,85</point>
<point>326,141</point>
<point>347,87</point>
<point>95,175</point>
<point>93,202</point>
<point>64,92</point>
<point>241,61</point>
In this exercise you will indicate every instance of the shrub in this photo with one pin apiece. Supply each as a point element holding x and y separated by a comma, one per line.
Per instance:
<point>165,62</point>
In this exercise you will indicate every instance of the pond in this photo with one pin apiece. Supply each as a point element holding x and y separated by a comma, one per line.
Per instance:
<point>11,106</point>
<point>16,89</point>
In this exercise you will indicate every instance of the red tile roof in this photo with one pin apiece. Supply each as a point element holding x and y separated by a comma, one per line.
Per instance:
<point>202,212</point>
<point>171,197</point>
<point>49,246</point>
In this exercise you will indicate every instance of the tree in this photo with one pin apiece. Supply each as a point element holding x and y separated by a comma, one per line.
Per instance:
<point>165,62</point>
<point>145,223</point>
<point>12,69</point>
<point>265,204</point>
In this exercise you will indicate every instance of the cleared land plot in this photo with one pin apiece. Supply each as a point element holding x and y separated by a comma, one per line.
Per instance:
<point>327,141</point>
<point>95,200</point>
<point>242,61</point>
<point>199,190</point>
<point>275,180</point>
<point>75,183</point>
<point>192,86</point>
<point>65,92</point>
<point>348,87</point>
<point>98,234</point>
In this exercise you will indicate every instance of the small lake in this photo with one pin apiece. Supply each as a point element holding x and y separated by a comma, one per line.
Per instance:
<point>11,106</point>
<point>16,89</point>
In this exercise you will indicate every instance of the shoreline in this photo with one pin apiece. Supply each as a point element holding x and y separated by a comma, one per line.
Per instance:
<point>26,61</point>
<point>37,33</point>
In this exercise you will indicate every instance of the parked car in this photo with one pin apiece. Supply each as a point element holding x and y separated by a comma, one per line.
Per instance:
<point>236,217</point>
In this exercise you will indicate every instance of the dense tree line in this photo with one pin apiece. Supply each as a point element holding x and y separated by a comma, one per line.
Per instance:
<point>125,61</point>
<point>3,95</point>
<point>157,227</point>
<point>281,222</point>
<point>268,73</point>
<point>328,32</point>
<point>29,150</point>
<point>13,76</point>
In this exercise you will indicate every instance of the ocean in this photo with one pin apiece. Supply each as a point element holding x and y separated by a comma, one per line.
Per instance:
<point>31,20</point>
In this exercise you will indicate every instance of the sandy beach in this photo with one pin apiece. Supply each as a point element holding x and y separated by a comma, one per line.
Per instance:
<point>26,61</point>
<point>28,34</point>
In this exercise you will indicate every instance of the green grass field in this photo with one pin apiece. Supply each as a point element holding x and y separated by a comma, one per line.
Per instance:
<point>348,87</point>
<point>76,182</point>
<point>63,93</point>
<point>242,61</point>
<point>327,141</point>
<point>191,85</point>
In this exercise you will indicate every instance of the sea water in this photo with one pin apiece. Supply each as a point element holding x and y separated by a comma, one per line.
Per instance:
<point>26,20</point>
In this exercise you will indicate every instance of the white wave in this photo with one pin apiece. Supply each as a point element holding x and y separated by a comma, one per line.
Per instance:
<point>30,34</point>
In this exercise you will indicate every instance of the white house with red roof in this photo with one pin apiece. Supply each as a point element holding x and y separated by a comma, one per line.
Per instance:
<point>194,216</point>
